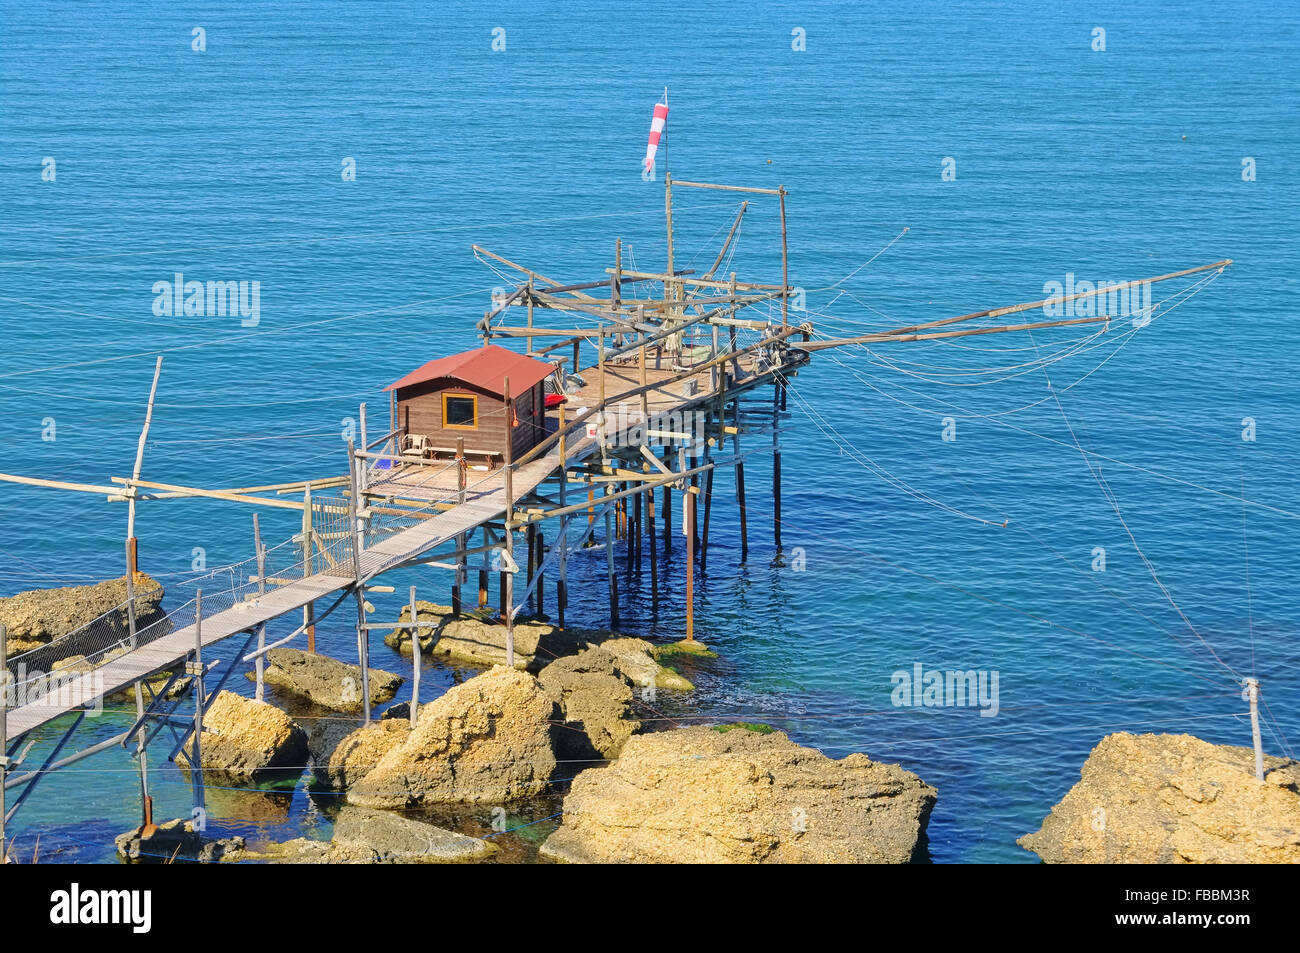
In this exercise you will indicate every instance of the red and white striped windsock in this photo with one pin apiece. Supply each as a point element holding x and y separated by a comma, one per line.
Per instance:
<point>656,131</point>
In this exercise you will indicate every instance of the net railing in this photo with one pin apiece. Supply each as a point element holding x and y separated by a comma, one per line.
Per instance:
<point>109,635</point>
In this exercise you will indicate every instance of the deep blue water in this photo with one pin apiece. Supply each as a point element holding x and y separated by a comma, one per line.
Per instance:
<point>1117,164</point>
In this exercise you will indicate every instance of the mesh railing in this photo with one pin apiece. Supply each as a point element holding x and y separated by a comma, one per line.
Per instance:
<point>108,636</point>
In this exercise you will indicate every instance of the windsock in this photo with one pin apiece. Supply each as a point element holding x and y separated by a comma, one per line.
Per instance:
<point>656,132</point>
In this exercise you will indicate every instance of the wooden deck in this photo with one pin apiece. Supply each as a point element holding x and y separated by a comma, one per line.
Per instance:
<point>485,501</point>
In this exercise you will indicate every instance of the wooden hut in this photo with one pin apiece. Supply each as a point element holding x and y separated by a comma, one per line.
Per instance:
<point>464,396</point>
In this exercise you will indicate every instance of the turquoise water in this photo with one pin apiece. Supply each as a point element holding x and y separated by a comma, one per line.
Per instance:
<point>1118,164</point>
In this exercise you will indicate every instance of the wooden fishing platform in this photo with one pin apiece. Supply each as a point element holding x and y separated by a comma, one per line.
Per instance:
<point>659,409</point>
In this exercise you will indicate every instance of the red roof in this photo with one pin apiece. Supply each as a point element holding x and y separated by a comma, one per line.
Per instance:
<point>484,367</point>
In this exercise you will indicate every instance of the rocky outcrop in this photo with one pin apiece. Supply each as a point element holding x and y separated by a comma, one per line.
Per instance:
<point>425,611</point>
<point>635,658</point>
<point>341,757</point>
<point>397,839</point>
<point>1171,799</point>
<point>700,795</point>
<point>325,681</point>
<point>177,840</point>
<point>39,616</point>
<point>365,836</point>
<point>487,740</point>
<point>246,740</point>
<point>595,701</point>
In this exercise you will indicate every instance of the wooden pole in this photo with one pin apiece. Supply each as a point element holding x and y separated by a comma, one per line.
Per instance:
<point>415,660</point>
<point>785,268</point>
<point>308,567</point>
<point>363,638</point>
<point>704,534</point>
<point>562,585</point>
<point>609,565</point>
<point>740,485</point>
<point>616,283</point>
<point>776,470</point>
<point>669,290</point>
<point>690,565</point>
<point>260,692</point>
<point>139,455</point>
<point>4,733</point>
<point>483,573</point>
<point>1252,693</point>
<point>462,541</point>
<point>530,314</point>
<point>508,578</point>
<point>200,699</point>
<point>539,540</point>
<point>652,536</point>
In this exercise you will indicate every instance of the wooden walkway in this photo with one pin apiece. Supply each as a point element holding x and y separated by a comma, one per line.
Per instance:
<point>485,501</point>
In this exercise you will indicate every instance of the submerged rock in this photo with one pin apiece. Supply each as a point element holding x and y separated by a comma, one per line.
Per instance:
<point>595,699</point>
<point>325,681</point>
<point>1174,799</point>
<point>177,840</point>
<point>488,739</point>
<point>480,642</point>
<point>396,839</point>
<point>248,740</point>
<point>699,795</point>
<point>635,658</point>
<point>39,616</point>
<point>400,638</point>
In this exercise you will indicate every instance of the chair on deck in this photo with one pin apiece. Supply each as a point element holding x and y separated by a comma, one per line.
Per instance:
<point>415,444</point>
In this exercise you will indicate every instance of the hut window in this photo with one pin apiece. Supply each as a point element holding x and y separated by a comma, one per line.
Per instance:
<point>460,411</point>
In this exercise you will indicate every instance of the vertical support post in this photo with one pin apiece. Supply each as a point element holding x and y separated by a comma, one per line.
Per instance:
<point>785,269</point>
<point>139,460</point>
<point>669,291</point>
<point>200,699</point>
<point>668,519</point>
<point>358,589</point>
<point>508,578</point>
<point>645,394</point>
<point>4,733</point>
<point>146,802</point>
<point>308,567</point>
<point>616,285</point>
<point>690,563</point>
<point>609,565</point>
<point>651,535</point>
<point>562,586</point>
<point>577,354</point>
<point>415,661</point>
<point>483,573</point>
<point>462,540</point>
<point>363,471</point>
<point>530,544</point>
<point>740,486</point>
<point>530,313</point>
<point>600,373</point>
<point>1252,693</point>
<point>260,692</point>
<point>776,469</point>
<point>539,540</point>
<point>704,533</point>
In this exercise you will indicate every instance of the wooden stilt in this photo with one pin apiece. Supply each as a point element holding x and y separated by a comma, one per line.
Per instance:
<point>561,586</point>
<point>483,574</point>
<point>652,537</point>
<point>508,478</point>
<point>358,591</point>
<point>308,568</point>
<point>704,533</point>
<point>541,573</point>
<point>4,734</point>
<point>260,692</point>
<point>609,564</point>
<point>776,471</point>
<point>689,503</point>
<point>200,699</point>
<point>415,662</point>
<point>1252,694</point>
<point>462,540</point>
